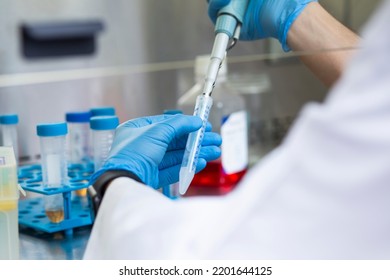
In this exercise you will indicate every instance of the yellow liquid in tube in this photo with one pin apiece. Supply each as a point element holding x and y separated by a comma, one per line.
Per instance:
<point>9,230</point>
<point>55,216</point>
<point>81,192</point>
<point>9,233</point>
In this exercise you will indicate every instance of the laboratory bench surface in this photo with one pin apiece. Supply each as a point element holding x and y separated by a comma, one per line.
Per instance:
<point>37,245</point>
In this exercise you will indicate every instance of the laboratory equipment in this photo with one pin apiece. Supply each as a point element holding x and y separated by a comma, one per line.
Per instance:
<point>102,111</point>
<point>8,132</point>
<point>78,144</point>
<point>103,131</point>
<point>79,150</point>
<point>227,27</point>
<point>229,119</point>
<point>9,195</point>
<point>255,88</point>
<point>172,191</point>
<point>54,166</point>
<point>78,211</point>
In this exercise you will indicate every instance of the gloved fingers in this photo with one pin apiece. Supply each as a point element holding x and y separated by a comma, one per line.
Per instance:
<point>215,6</point>
<point>179,143</point>
<point>175,127</point>
<point>210,138</point>
<point>210,153</point>
<point>201,165</point>
<point>145,121</point>
<point>173,158</point>
<point>209,127</point>
<point>171,175</point>
<point>170,159</point>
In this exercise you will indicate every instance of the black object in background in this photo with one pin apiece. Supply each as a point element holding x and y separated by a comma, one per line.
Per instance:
<point>58,39</point>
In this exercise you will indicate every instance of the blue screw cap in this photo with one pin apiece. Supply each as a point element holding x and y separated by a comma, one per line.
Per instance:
<point>9,119</point>
<point>78,117</point>
<point>52,129</point>
<point>104,122</point>
<point>173,112</point>
<point>103,111</point>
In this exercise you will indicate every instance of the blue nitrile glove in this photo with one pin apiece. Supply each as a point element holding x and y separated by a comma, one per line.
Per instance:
<point>265,18</point>
<point>152,148</point>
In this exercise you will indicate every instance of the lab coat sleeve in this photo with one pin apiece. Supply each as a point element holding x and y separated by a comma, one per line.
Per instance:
<point>128,222</point>
<point>137,222</point>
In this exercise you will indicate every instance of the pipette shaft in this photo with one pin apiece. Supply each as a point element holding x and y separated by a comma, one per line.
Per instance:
<point>229,19</point>
<point>217,56</point>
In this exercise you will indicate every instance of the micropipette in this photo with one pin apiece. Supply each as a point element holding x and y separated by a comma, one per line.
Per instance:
<point>228,26</point>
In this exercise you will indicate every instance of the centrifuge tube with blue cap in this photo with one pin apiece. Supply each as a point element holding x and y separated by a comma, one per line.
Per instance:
<point>8,132</point>
<point>79,143</point>
<point>54,166</point>
<point>103,132</point>
<point>78,148</point>
<point>102,111</point>
<point>227,27</point>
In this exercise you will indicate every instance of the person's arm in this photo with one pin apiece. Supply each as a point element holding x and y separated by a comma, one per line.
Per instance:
<point>301,25</point>
<point>315,29</point>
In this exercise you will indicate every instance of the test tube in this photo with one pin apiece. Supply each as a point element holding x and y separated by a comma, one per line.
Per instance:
<point>9,134</point>
<point>54,166</point>
<point>79,143</point>
<point>78,124</point>
<point>102,111</point>
<point>103,132</point>
<point>9,195</point>
<point>172,191</point>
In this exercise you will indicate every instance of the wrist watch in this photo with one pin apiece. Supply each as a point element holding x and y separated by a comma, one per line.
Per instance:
<point>98,189</point>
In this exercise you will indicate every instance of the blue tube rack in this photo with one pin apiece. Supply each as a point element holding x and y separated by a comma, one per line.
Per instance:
<point>78,211</point>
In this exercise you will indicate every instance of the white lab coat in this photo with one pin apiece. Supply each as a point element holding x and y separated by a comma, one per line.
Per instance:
<point>324,194</point>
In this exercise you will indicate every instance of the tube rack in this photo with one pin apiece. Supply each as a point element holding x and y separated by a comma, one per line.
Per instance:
<point>78,210</point>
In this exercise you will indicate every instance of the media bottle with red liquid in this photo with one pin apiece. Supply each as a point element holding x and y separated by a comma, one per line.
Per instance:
<point>228,117</point>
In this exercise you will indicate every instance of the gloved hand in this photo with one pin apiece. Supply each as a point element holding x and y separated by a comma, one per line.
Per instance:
<point>265,18</point>
<point>152,148</point>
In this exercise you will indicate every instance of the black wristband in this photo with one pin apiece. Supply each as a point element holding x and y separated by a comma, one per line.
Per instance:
<point>98,189</point>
